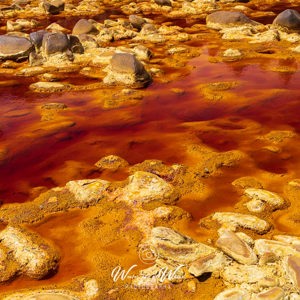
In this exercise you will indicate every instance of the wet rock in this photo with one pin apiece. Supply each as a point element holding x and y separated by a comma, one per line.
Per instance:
<point>221,19</point>
<point>208,264</point>
<point>170,244</point>
<point>289,19</point>
<point>292,265</point>
<point>163,2</point>
<point>272,199</point>
<point>233,294</point>
<point>53,7</point>
<point>126,69</point>
<point>84,26</point>
<point>112,162</point>
<point>36,257</point>
<point>275,293</point>
<point>89,191</point>
<point>234,220</point>
<point>236,248</point>
<point>55,43</point>
<point>262,246</point>
<point>15,48</point>
<point>145,187</point>
<point>37,38</point>
<point>137,21</point>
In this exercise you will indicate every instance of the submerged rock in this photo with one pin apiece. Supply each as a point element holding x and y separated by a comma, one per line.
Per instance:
<point>112,162</point>
<point>126,69</point>
<point>13,47</point>
<point>289,19</point>
<point>36,257</point>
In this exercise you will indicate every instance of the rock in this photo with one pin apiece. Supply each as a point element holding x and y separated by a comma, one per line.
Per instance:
<point>238,274</point>
<point>262,246</point>
<point>89,191</point>
<point>288,239</point>
<point>221,19</point>
<point>272,199</point>
<point>136,21</point>
<point>232,53</point>
<point>112,162</point>
<point>20,25</point>
<point>142,52</point>
<point>53,106</point>
<point>163,2</point>
<point>37,38</point>
<point>36,257</point>
<point>49,87</point>
<point>236,248</point>
<point>75,44</point>
<point>57,42</point>
<point>54,27</point>
<point>170,244</point>
<point>208,264</point>
<point>292,265</point>
<point>235,220</point>
<point>256,206</point>
<point>125,68</point>
<point>15,48</point>
<point>53,7</point>
<point>294,296</point>
<point>84,26</point>
<point>233,294</point>
<point>145,187</point>
<point>275,293</point>
<point>289,19</point>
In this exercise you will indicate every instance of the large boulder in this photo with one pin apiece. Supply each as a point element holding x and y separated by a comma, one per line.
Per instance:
<point>224,19</point>
<point>126,69</point>
<point>288,19</point>
<point>54,7</point>
<point>84,26</point>
<point>13,47</point>
<point>57,42</point>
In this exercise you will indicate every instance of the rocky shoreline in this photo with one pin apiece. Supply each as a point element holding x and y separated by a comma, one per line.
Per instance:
<point>123,230</point>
